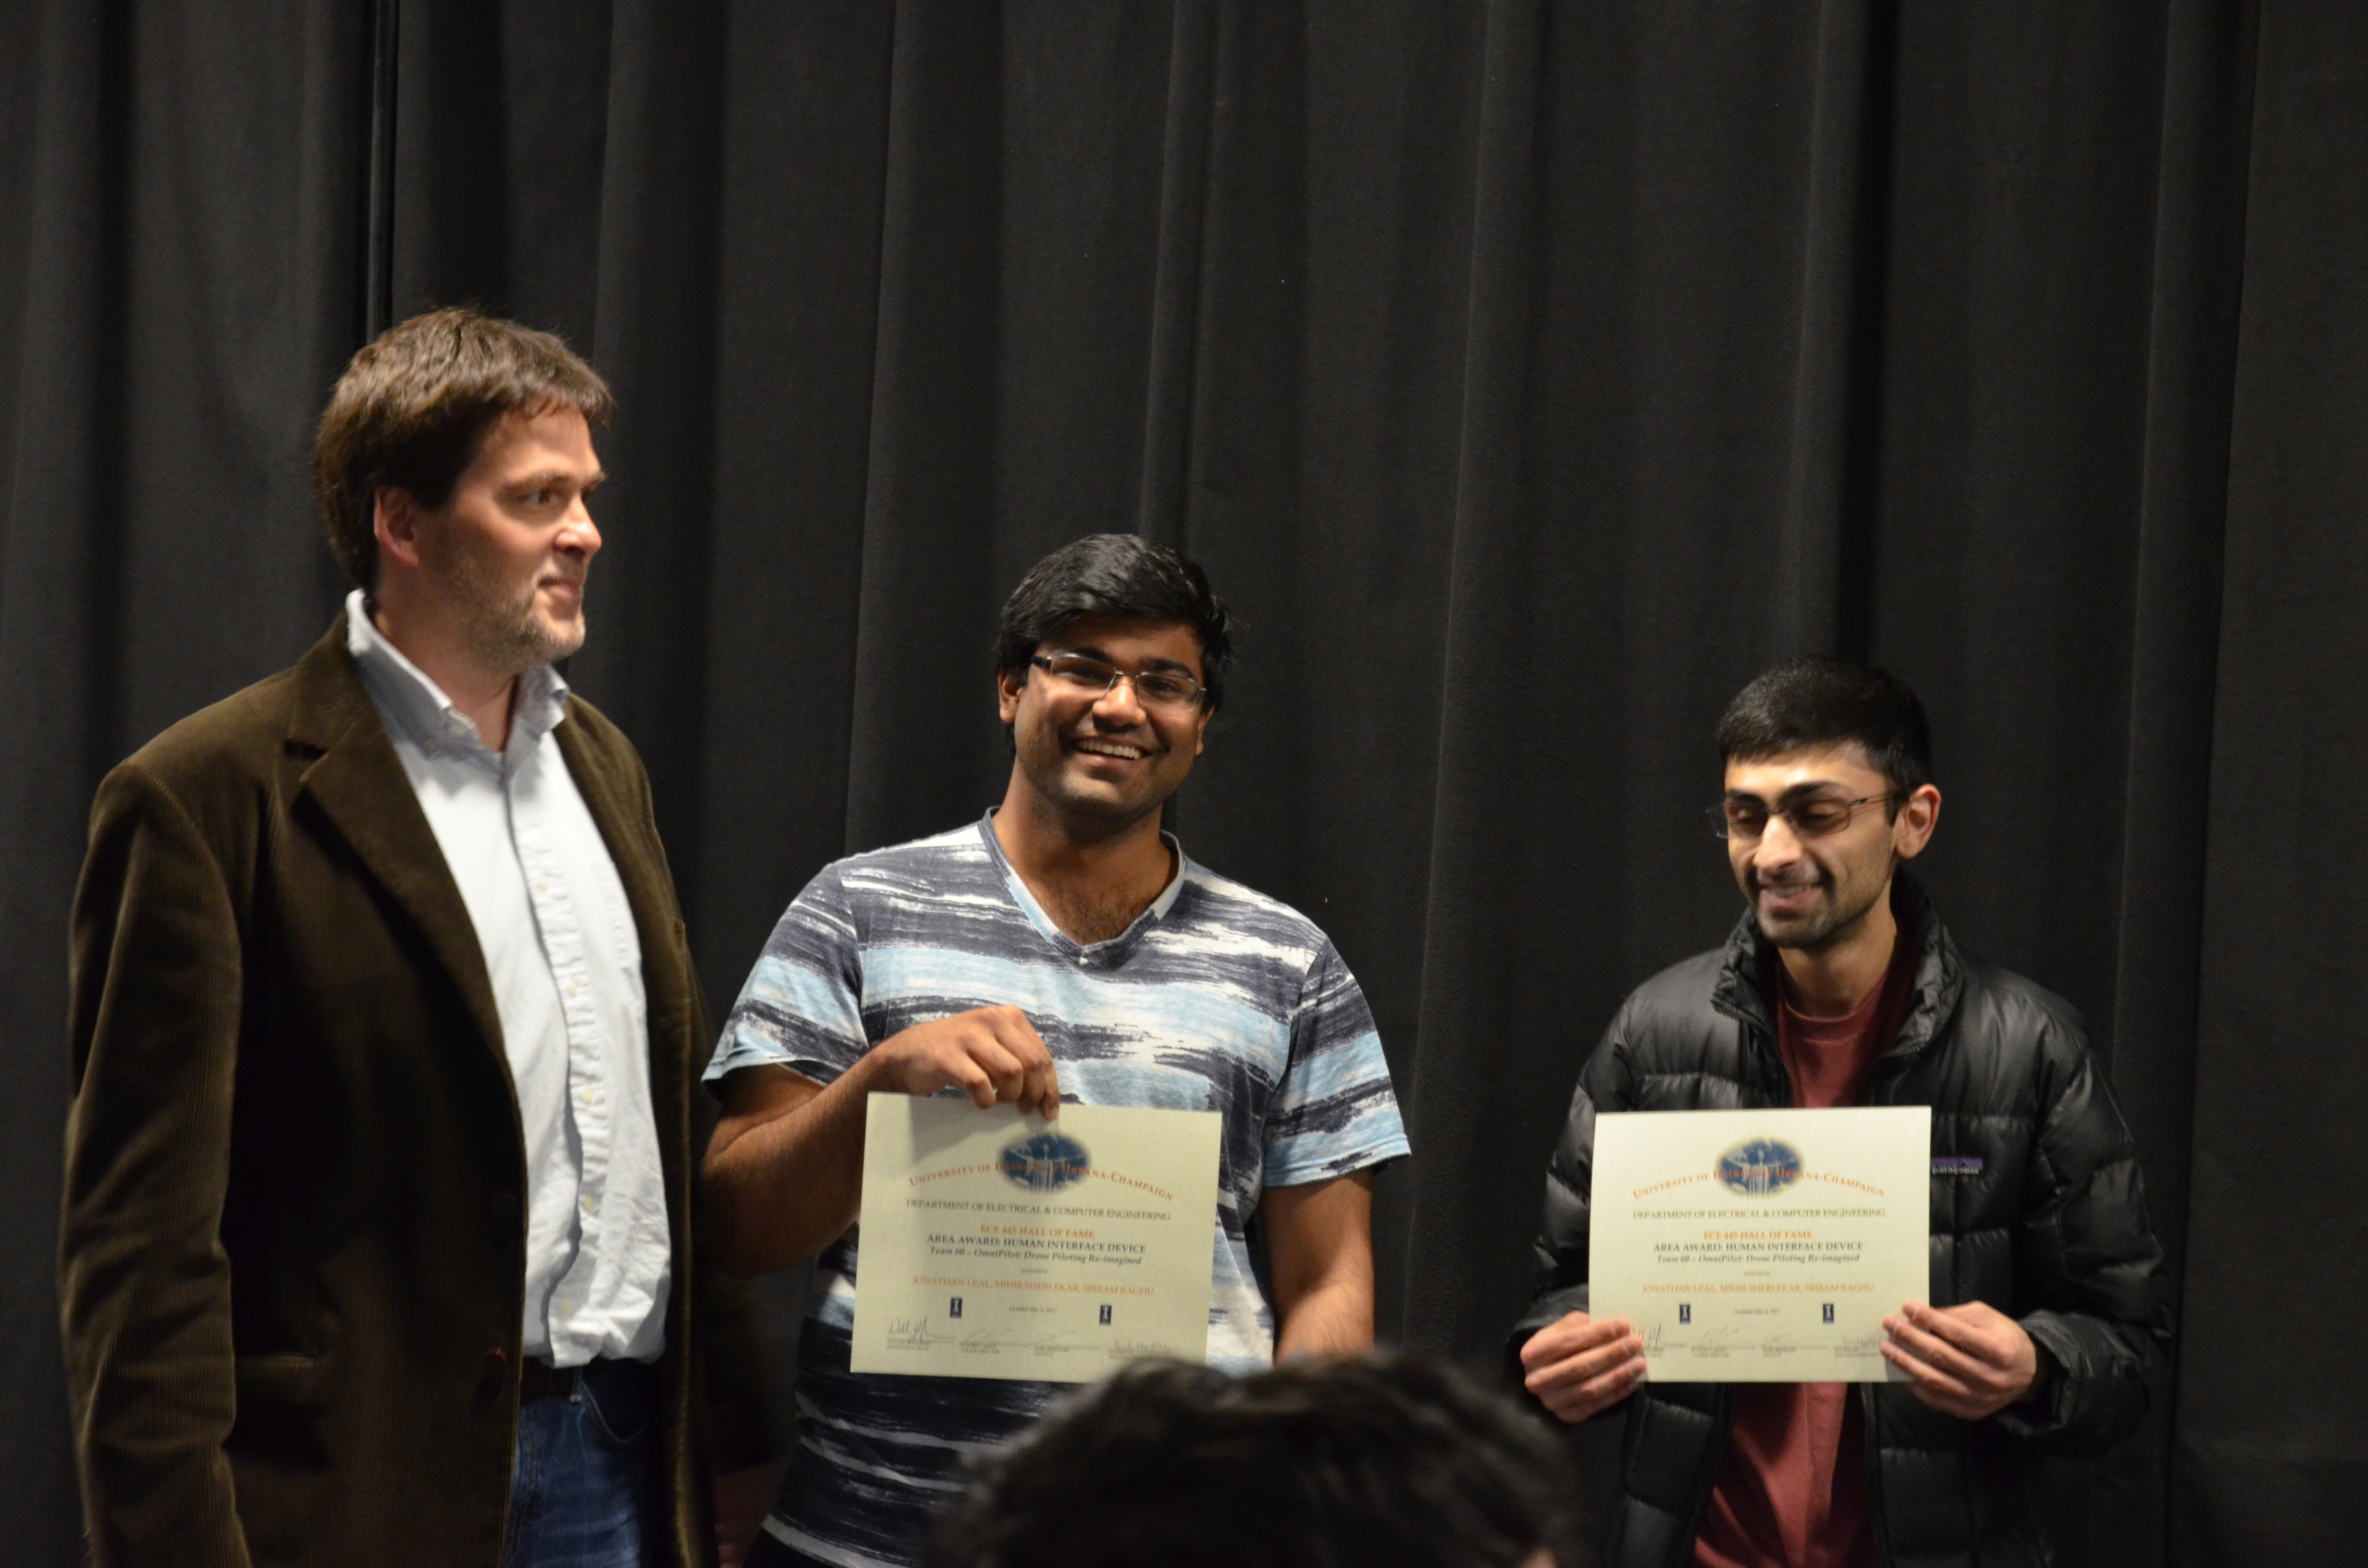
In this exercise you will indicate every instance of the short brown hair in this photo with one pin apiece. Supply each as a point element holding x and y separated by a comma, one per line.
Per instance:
<point>413,409</point>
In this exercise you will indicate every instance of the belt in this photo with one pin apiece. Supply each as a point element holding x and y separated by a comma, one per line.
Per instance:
<point>604,1375</point>
<point>537,1378</point>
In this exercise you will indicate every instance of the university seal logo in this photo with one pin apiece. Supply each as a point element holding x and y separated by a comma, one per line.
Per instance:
<point>1043,1161</point>
<point>1760,1168</point>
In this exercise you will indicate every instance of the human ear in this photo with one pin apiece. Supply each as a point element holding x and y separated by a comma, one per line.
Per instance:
<point>395,520</point>
<point>1919,815</point>
<point>1007,687</point>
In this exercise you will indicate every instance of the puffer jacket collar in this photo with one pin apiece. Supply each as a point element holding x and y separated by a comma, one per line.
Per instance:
<point>1747,983</point>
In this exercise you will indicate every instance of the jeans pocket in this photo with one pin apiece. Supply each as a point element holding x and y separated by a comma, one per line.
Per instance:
<point>620,1402</point>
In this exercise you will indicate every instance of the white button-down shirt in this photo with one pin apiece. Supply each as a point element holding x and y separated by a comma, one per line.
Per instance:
<point>565,964</point>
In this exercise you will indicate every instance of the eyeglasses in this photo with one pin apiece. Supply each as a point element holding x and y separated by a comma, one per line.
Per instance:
<point>1086,675</point>
<point>1745,816</point>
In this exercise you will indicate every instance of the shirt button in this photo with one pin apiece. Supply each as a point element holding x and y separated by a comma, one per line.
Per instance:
<point>542,882</point>
<point>571,989</point>
<point>587,1206</point>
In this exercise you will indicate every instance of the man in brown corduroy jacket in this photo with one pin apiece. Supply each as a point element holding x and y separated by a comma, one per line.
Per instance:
<point>377,1232</point>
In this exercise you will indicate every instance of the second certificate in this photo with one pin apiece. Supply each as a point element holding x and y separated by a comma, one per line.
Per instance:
<point>998,1245</point>
<point>1760,1246</point>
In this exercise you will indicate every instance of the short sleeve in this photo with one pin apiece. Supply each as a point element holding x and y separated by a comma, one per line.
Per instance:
<point>803,1006</point>
<point>1335,1112</point>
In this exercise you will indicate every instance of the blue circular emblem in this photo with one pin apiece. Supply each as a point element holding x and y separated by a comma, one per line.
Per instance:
<point>1043,1161</point>
<point>1760,1168</point>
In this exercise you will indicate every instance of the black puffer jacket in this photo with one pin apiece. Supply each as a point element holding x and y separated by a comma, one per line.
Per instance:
<point>2051,1230</point>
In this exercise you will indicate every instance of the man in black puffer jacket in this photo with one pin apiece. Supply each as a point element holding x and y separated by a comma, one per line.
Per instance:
<point>1840,987</point>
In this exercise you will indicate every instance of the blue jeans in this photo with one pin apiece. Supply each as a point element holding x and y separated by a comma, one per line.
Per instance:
<point>583,1489</point>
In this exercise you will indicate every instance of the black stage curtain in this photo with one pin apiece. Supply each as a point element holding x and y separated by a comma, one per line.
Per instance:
<point>1527,375</point>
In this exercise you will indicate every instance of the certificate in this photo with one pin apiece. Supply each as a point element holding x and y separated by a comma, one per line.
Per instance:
<point>1760,1246</point>
<point>1000,1246</point>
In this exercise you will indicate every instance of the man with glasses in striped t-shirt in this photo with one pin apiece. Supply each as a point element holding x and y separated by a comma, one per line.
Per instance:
<point>1063,948</point>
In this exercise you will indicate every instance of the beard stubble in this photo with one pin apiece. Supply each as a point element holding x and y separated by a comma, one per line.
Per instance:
<point>499,624</point>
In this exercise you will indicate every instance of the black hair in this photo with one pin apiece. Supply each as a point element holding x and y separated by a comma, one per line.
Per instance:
<point>1384,1461</point>
<point>1820,701</point>
<point>1115,574</point>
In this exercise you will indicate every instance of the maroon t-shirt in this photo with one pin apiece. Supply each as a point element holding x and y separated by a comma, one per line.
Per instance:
<point>1791,1492</point>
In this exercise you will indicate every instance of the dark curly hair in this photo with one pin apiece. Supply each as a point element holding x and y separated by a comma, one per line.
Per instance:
<point>1384,1461</point>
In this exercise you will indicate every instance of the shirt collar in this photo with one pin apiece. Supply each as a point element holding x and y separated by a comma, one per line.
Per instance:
<point>418,706</point>
<point>1117,945</point>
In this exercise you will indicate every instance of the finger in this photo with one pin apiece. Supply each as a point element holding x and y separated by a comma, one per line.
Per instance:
<point>1934,1352</point>
<point>1597,1393</point>
<point>1572,1332</point>
<point>1619,1382</point>
<point>1923,1375</point>
<point>1550,1349</point>
<point>1004,1069</point>
<point>1043,1092</point>
<point>959,1074</point>
<point>1016,1034</point>
<point>1921,1362</point>
<point>1960,1327</point>
<point>1040,1086</point>
<point>1584,1368</point>
<point>1046,1076</point>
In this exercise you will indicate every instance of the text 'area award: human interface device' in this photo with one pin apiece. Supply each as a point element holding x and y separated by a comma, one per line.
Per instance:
<point>995,1244</point>
<point>1760,1246</point>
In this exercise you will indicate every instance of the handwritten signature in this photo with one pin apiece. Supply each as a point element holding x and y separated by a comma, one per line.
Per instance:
<point>907,1334</point>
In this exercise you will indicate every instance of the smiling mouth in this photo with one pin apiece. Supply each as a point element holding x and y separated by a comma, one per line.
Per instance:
<point>1095,746</point>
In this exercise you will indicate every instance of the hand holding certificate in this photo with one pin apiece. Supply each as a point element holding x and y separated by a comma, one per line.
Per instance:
<point>995,1244</point>
<point>1762,1246</point>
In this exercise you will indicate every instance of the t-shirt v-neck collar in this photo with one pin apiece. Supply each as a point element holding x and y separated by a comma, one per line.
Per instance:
<point>1827,1059</point>
<point>1107,952</point>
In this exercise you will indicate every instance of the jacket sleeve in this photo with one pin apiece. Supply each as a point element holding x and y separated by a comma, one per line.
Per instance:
<point>2096,1299</point>
<point>144,1280</point>
<point>743,1424</point>
<point>1560,1250</point>
<point>746,1410</point>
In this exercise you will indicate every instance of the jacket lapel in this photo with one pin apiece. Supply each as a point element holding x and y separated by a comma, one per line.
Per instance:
<point>668,986</point>
<point>641,865</point>
<point>357,782</point>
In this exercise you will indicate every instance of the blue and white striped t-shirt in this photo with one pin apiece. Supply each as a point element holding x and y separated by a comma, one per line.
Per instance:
<point>1216,998</point>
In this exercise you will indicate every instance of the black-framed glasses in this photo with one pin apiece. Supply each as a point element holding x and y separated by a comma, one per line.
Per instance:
<point>1745,816</point>
<point>1086,676</point>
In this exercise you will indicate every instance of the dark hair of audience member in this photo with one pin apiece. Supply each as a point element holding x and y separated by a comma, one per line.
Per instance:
<point>1377,1462</point>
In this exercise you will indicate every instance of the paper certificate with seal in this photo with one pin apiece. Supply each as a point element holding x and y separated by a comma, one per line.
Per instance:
<point>1000,1246</point>
<point>1760,1246</point>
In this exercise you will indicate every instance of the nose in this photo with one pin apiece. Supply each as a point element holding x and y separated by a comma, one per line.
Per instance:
<point>1778,846</point>
<point>578,533</point>
<point>1118,706</point>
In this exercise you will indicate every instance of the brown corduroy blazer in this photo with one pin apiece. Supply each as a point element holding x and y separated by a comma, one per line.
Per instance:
<point>293,1245</point>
